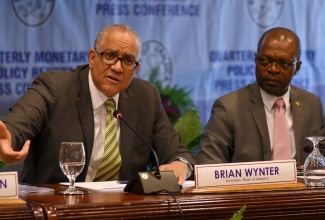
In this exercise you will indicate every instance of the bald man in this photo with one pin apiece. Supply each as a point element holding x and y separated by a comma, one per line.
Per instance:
<point>240,128</point>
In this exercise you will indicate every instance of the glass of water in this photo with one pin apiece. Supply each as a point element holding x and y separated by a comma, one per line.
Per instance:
<point>314,167</point>
<point>72,162</point>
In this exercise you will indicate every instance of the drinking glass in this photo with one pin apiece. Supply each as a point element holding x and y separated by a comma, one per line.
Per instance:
<point>314,167</point>
<point>72,162</point>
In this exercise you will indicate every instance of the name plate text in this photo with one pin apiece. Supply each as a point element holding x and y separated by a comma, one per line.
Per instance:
<point>226,174</point>
<point>8,185</point>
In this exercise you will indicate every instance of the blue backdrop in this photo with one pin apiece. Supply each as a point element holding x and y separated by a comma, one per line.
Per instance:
<point>207,46</point>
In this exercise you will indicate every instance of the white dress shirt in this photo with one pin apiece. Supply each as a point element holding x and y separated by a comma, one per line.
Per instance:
<point>100,112</point>
<point>268,101</point>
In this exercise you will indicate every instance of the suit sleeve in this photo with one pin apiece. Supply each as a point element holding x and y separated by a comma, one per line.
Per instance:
<point>29,115</point>
<point>166,140</point>
<point>217,143</point>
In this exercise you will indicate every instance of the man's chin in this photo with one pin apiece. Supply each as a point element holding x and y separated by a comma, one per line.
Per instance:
<point>272,90</point>
<point>109,91</point>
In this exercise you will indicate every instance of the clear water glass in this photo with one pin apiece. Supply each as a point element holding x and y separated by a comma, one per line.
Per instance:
<point>314,167</point>
<point>72,162</point>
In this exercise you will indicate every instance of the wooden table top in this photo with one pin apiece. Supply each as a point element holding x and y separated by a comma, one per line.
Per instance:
<point>269,204</point>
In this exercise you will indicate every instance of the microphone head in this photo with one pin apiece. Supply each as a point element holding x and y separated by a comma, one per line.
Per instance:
<point>117,114</point>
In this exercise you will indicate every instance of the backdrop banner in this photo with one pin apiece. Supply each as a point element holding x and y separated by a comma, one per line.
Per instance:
<point>205,46</point>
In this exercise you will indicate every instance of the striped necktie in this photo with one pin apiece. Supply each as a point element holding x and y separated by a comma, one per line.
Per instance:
<point>281,141</point>
<point>110,165</point>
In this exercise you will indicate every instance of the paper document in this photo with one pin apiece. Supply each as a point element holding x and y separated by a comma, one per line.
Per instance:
<point>25,188</point>
<point>111,185</point>
<point>105,185</point>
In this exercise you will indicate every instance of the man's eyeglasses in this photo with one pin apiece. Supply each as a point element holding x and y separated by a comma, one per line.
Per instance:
<point>111,59</point>
<point>283,64</point>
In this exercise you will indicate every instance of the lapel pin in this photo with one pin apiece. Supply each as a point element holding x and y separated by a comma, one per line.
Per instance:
<point>297,103</point>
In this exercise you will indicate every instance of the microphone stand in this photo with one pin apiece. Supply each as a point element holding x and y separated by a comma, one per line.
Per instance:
<point>146,182</point>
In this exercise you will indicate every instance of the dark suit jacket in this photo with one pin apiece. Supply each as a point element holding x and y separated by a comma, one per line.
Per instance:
<point>58,107</point>
<point>237,129</point>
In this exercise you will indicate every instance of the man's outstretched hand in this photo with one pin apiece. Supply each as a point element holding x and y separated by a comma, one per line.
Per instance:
<point>7,154</point>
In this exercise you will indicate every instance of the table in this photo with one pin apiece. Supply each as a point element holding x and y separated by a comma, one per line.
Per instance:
<point>284,204</point>
<point>26,212</point>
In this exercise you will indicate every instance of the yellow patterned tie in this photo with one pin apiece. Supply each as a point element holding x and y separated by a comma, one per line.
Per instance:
<point>110,165</point>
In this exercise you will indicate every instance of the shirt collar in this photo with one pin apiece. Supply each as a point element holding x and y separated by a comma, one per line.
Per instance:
<point>269,100</point>
<point>97,97</point>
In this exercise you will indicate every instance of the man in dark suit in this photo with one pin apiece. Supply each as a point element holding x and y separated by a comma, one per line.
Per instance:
<point>240,128</point>
<point>70,106</point>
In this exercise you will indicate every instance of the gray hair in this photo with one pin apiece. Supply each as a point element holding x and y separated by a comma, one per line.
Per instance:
<point>120,27</point>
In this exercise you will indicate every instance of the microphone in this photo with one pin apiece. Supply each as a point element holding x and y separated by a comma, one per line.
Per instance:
<point>118,115</point>
<point>150,182</point>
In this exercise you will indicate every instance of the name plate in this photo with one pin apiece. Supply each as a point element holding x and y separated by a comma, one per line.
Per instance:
<point>226,174</point>
<point>8,185</point>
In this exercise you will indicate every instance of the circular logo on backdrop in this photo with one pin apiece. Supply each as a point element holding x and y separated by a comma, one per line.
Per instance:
<point>266,12</point>
<point>33,12</point>
<point>154,56</point>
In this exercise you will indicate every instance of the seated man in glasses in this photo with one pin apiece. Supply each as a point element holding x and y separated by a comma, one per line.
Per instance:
<point>76,105</point>
<point>269,119</point>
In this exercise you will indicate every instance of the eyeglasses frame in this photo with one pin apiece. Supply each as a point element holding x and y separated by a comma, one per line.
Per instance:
<point>257,57</point>
<point>118,58</point>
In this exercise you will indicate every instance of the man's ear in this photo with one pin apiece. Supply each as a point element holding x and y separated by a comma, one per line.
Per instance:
<point>91,55</point>
<point>136,68</point>
<point>255,60</point>
<point>298,65</point>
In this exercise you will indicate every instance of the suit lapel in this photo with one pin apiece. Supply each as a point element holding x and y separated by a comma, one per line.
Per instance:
<point>86,114</point>
<point>127,106</point>
<point>256,106</point>
<point>297,115</point>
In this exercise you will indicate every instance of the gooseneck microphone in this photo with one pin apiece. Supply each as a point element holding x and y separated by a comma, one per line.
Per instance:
<point>150,182</point>
<point>117,114</point>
